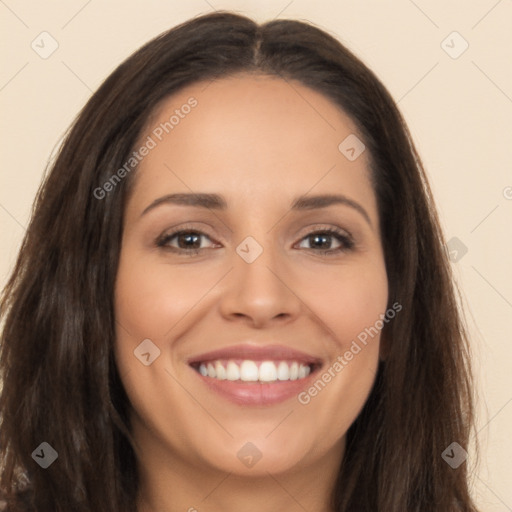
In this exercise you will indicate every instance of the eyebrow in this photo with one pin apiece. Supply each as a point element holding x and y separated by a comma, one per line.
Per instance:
<point>217,202</point>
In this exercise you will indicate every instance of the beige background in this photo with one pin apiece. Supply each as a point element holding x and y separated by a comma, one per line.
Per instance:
<point>458,109</point>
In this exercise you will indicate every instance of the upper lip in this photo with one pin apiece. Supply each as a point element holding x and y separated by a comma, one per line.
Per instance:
<point>256,353</point>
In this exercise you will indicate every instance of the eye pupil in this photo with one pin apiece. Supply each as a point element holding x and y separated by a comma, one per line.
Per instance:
<point>187,237</point>
<point>316,238</point>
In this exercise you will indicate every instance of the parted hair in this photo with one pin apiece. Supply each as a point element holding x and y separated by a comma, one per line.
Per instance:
<point>60,383</point>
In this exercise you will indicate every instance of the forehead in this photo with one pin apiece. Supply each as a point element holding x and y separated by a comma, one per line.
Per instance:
<point>249,133</point>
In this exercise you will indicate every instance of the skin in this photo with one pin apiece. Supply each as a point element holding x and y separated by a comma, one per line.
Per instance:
<point>260,142</point>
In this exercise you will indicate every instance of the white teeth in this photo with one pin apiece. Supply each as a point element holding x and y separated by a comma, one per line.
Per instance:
<point>249,371</point>
<point>220,371</point>
<point>268,371</point>
<point>302,371</point>
<point>283,371</point>
<point>233,372</point>
<point>294,371</point>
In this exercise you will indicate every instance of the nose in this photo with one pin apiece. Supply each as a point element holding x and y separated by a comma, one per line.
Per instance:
<point>260,293</point>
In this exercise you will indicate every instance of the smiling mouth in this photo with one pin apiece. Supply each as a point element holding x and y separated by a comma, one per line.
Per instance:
<point>247,371</point>
<point>249,374</point>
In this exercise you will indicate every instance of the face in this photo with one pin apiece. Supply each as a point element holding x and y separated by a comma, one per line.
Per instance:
<point>241,314</point>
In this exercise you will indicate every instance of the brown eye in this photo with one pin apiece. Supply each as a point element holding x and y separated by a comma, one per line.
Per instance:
<point>322,241</point>
<point>184,241</point>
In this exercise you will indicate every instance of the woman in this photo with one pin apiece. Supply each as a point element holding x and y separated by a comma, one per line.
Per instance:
<point>234,293</point>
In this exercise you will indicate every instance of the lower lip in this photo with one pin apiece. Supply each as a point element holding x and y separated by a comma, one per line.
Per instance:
<point>257,393</point>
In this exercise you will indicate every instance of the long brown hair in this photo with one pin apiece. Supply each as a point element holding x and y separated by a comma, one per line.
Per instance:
<point>60,381</point>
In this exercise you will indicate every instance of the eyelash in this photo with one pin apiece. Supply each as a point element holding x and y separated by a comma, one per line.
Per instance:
<point>346,241</point>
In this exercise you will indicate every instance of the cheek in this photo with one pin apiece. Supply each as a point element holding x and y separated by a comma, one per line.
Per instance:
<point>350,304</point>
<point>151,298</point>
<point>348,300</point>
